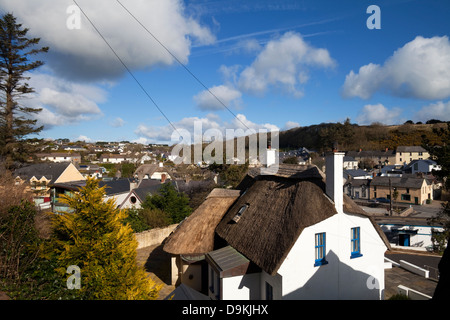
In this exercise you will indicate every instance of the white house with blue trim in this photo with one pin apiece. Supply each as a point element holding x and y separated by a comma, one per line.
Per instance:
<point>409,232</point>
<point>292,235</point>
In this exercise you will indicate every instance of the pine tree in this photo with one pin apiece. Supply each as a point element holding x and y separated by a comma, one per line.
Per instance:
<point>16,52</point>
<point>94,238</point>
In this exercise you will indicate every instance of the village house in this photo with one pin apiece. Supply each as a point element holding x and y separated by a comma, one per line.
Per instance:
<point>421,166</point>
<point>137,195</point>
<point>406,154</point>
<point>350,163</point>
<point>409,232</point>
<point>59,157</point>
<point>116,158</point>
<point>358,188</point>
<point>153,171</point>
<point>290,235</point>
<point>41,176</point>
<point>377,157</point>
<point>411,189</point>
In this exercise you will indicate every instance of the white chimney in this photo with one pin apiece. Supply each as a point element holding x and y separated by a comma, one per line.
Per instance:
<point>334,178</point>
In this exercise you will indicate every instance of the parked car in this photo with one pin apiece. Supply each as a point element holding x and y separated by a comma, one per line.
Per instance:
<point>383,200</point>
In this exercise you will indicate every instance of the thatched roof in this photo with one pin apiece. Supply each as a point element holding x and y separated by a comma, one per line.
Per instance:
<point>279,207</point>
<point>196,234</point>
<point>278,211</point>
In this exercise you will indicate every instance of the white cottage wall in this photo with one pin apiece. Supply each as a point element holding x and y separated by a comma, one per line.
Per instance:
<point>342,277</point>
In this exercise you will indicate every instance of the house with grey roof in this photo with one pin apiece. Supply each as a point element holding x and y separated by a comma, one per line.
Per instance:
<point>411,189</point>
<point>41,176</point>
<point>406,154</point>
<point>421,166</point>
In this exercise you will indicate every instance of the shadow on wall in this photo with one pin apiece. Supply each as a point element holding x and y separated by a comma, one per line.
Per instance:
<point>332,281</point>
<point>342,282</point>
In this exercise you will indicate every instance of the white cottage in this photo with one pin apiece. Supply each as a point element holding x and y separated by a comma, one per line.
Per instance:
<point>293,236</point>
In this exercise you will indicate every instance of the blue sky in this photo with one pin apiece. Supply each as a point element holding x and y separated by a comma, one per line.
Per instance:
<point>273,64</point>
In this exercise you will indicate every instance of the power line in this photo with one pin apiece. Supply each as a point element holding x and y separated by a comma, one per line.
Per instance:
<point>182,64</point>
<point>126,67</point>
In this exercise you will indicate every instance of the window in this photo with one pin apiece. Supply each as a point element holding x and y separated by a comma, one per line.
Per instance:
<point>406,197</point>
<point>355,243</point>
<point>214,283</point>
<point>320,249</point>
<point>269,291</point>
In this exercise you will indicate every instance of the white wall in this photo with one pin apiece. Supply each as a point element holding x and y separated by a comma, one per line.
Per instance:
<point>341,278</point>
<point>421,239</point>
<point>245,287</point>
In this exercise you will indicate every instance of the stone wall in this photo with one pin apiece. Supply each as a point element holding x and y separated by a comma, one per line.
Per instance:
<point>154,236</point>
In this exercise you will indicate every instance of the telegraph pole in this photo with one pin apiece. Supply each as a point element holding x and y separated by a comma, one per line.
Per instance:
<point>390,198</point>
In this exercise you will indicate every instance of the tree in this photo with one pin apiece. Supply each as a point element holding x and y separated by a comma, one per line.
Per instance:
<point>94,238</point>
<point>173,204</point>
<point>16,52</point>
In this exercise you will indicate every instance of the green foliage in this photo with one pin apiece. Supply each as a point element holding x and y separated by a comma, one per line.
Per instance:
<point>18,240</point>
<point>16,59</point>
<point>95,239</point>
<point>136,220</point>
<point>171,203</point>
<point>230,174</point>
<point>291,160</point>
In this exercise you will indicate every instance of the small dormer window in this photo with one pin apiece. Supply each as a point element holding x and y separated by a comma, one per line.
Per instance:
<point>241,210</point>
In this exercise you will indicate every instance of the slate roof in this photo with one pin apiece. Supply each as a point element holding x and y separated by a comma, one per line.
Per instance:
<point>400,182</point>
<point>50,171</point>
<point>410,149</point>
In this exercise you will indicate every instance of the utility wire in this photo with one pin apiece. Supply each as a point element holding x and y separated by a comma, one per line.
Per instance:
<point>126,67</point>
<point>182,64</point>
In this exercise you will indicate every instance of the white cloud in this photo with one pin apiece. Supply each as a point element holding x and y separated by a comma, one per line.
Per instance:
<point>378,113</point>
<point>83,138</point>
<point>90,57</point>
<point>283,63</point>
<point>63,102</point>
<point>291,124</point>
<point>439,110</point>
<point>208,100</point>
<point>118,122</point>
<point>197,127</point>
<point>420,69</point>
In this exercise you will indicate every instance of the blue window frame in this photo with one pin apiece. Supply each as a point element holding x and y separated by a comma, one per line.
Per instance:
<point>356,242</point>
<point>320,249</point>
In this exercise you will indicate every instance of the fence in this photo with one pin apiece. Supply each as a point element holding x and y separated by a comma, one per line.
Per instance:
<point>154,236</point>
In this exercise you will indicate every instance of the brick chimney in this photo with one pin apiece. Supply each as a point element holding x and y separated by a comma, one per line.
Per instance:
<point>334,178</point>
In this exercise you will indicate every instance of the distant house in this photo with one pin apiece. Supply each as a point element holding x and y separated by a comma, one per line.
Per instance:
<point>421,166</point>
<point>411,188</point>
<point>411,232</point>
<point>116,158</point>
<point>358,188</point>
<point>291,235</point>
<point>386,156</point>
<point>356,174</point>
<point>59,157</point>
<point>406,154</point>
<point>116,189</point>
<point>153,171</point>
<point>137,196</point>
<point>41,176</point>
<point>350,163</point>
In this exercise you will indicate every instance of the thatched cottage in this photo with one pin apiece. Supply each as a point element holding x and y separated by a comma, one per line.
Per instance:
<point>290,235</point>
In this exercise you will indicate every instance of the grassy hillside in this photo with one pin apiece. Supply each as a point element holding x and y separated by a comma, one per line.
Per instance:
<point>354,137</point>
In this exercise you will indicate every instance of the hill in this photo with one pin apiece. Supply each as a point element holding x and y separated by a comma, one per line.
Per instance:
<point>354,137</point>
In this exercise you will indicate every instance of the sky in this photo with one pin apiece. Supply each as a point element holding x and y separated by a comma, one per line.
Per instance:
<point>140,70</point>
